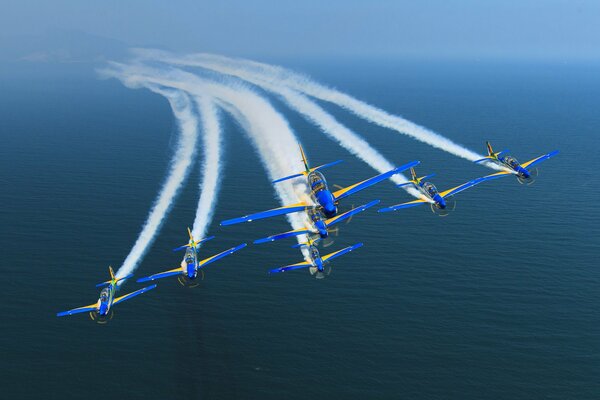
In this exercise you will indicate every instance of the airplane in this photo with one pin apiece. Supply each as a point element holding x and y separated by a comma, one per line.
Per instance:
<point>190,266</point>
<point>101,310</point>
<point>317,263</point>
<point>320,225</point>
<point>326,200</point>
<point>439,202</point>
<point>511,166</point>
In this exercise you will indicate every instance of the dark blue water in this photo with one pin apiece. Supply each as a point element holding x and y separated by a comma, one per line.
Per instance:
<point>498,300</point>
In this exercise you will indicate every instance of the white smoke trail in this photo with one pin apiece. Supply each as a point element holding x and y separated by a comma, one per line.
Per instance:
<point>261,74</point>
<point>344,136</point>
<point>180,165</point>
<point>211,166</point>
<point>268,130</point>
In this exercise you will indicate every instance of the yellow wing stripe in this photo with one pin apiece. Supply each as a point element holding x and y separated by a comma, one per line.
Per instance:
<point>526,164</point>
<point>344,190</point>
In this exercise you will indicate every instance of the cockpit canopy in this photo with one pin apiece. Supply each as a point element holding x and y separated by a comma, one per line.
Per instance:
<point>104,295</point>
<point>317,181</point>
<point>510,160</point>
<point>314,253</point>
<point>430,189</point>
<point>315,215</point>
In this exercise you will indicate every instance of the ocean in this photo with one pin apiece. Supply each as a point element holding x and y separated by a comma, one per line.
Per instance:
<point>498,300</point>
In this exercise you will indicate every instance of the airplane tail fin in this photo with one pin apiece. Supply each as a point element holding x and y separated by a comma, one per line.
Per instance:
<point>304,160</point>
<point>112,273</point>
<point>489,149</point>
<point>416,180</point>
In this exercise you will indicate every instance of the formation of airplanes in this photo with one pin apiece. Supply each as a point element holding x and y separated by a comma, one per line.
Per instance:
<point>322,212</point>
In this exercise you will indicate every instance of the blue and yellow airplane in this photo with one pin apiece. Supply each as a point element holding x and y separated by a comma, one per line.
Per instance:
<point>325,200</point>
<point>319,225</point>
<point>524,172</point>
<point>439,202</point>
<point>317,264</point>
<point>190,266</point>
<point>101,310</point>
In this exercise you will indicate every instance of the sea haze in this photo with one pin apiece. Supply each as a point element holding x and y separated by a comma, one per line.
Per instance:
<point>498,300</point>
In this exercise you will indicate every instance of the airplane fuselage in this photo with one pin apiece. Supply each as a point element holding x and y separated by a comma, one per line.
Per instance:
<point>512,164</point>
<point>429,190</point>
<point>321,194</point>
<point>316,259</point>
<point>318,223</point>
<point>191,263</point>
<point>106,298</point>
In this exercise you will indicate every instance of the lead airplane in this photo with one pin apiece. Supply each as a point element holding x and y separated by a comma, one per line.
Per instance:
<point>190,267</point>
<point>524,172</point>
<point>437,200</point>
<point>317,264</point>
<point>100,310</point>
<point>325,200</point>
<point>318,224</point>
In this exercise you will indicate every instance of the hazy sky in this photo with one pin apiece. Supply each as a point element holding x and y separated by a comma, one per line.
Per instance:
<point>553,29</point>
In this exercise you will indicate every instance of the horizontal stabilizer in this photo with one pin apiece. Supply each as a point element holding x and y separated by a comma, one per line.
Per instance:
<point>331,164</point>
<point>198,243</point>
<point>106,283</point>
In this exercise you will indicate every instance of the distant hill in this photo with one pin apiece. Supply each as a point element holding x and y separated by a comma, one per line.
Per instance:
<point>60,46</point>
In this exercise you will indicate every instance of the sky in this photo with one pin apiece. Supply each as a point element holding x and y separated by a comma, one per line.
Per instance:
<point>505,29</point>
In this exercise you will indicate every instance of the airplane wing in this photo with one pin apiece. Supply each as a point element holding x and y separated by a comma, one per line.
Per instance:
<point>160,275</point>
<point>338,253</point>
<point>531,163</point>
<point>348,214</point>
<point>497,175</point>
<point>357,187</point>
<point>413,203</point>
<point>266,214</point>
<point>303,264</point>
<point>460,188</point>
<point>132,294</point>
<point>284,235</point>
<point>216,257</point>
<point>91,307</point>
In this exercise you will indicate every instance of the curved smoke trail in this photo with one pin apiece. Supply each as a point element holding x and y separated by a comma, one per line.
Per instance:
<point>268,130</point>
<point>264,74</point>
<point>211,166</point>
<point>180,165</point>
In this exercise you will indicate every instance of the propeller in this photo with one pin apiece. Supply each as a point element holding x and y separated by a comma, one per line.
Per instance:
<point>533,174</point>
<point>442,212</point>
<point>321,275</point>
<point>191,283</point>
<point>102,319</point>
